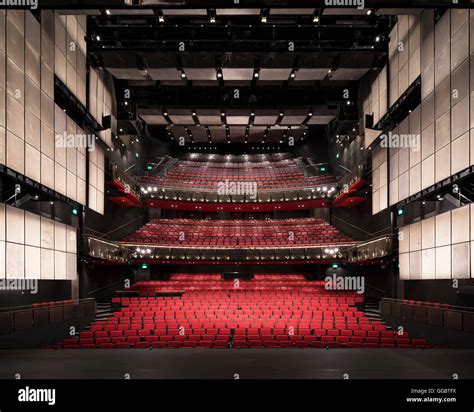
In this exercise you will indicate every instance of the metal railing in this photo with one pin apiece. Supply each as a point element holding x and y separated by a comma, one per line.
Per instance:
<point>129,183</point>
<point>372,249</point>
<point>125,252</point>
<point>23,317</point>
<point>107,236</point>
<point>460,318</point>
<point>106,250</point>
<point>322,192</point>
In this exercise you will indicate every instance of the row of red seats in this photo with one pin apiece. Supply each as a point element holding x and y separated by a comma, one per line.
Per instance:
<point>229,233</point>
<point>267,174</point>
<point>276,317</point>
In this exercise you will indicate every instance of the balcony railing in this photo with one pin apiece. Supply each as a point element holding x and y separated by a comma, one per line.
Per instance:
<point>372,249</point>
<point>322,192</point>
<point>122,252</point>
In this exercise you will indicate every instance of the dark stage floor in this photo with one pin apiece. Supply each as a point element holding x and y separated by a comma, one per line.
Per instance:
<point>247,363</point>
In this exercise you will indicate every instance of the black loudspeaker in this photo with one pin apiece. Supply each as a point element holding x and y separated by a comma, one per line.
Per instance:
<point>369,121</point>
<point>237,275</point>
<point>106,122</point>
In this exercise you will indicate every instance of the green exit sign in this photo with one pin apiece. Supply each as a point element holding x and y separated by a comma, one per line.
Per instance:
<point>322,169</point>
<point>149,167</point>
<point>335,265</point>
<point>144,266</point>
<point>75,212</point>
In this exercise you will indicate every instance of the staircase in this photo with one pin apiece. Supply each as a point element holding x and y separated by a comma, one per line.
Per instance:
<point>104,310</point>
<point>372,309</point>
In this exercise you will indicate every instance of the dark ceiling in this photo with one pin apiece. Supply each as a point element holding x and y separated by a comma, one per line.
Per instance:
<point>238,75</point>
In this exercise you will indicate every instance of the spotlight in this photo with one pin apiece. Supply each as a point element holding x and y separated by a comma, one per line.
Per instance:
<point>256,75</point>
<point>264,19</point>
<point>161,19</point>
<point>107,12</point>
<point>316,19</point>
<point>369,12</point>
<point>377,39</point>
<point>183,75</point>
<point>293,74</point>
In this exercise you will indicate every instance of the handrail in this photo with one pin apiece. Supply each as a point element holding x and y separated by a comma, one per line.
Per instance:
<point>104,287</point>
<point>125,224</point>
<point>350,224</point>
<point>105,236</point>
<point>454,308</point>
<point>202,189</point>
<point>375,288</point>
<point>53,305</point>
<point>244,247</point>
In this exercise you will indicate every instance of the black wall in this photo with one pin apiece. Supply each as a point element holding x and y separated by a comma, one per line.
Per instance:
<point>48,291</point>
<point>315,146</point>
<point>440,291</point>
<point>360,217</point>
<point>100,281</point>
<point>114,217</point>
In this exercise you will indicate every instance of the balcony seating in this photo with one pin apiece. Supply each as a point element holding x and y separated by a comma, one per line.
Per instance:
<point>238,233</point>
<point>278,174</point>
<point>270,311</point>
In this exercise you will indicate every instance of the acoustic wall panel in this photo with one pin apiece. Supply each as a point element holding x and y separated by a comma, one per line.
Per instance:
<point>404,55</point>
<point>442,48</point>
<point>459,229</point>
<point>33,232</point>
<point>428,263</point>
<point>443,229</point>
<point>445,246</point>
<point>443,262</point>
<point>405,158</point>
<point>405,266</point>
<point>415,236</point>
<point>96,177</point>
<point>32,262</point>
<point>460,153</point>
<point>428,234</point>
<point>47,264</point>
<point>461,264</point>
<point>415,265</point>
<point>445,112</point>
<point>380,180</point>
<point>15,261</point>
<point>35,247</point>
<point>459,38</point>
